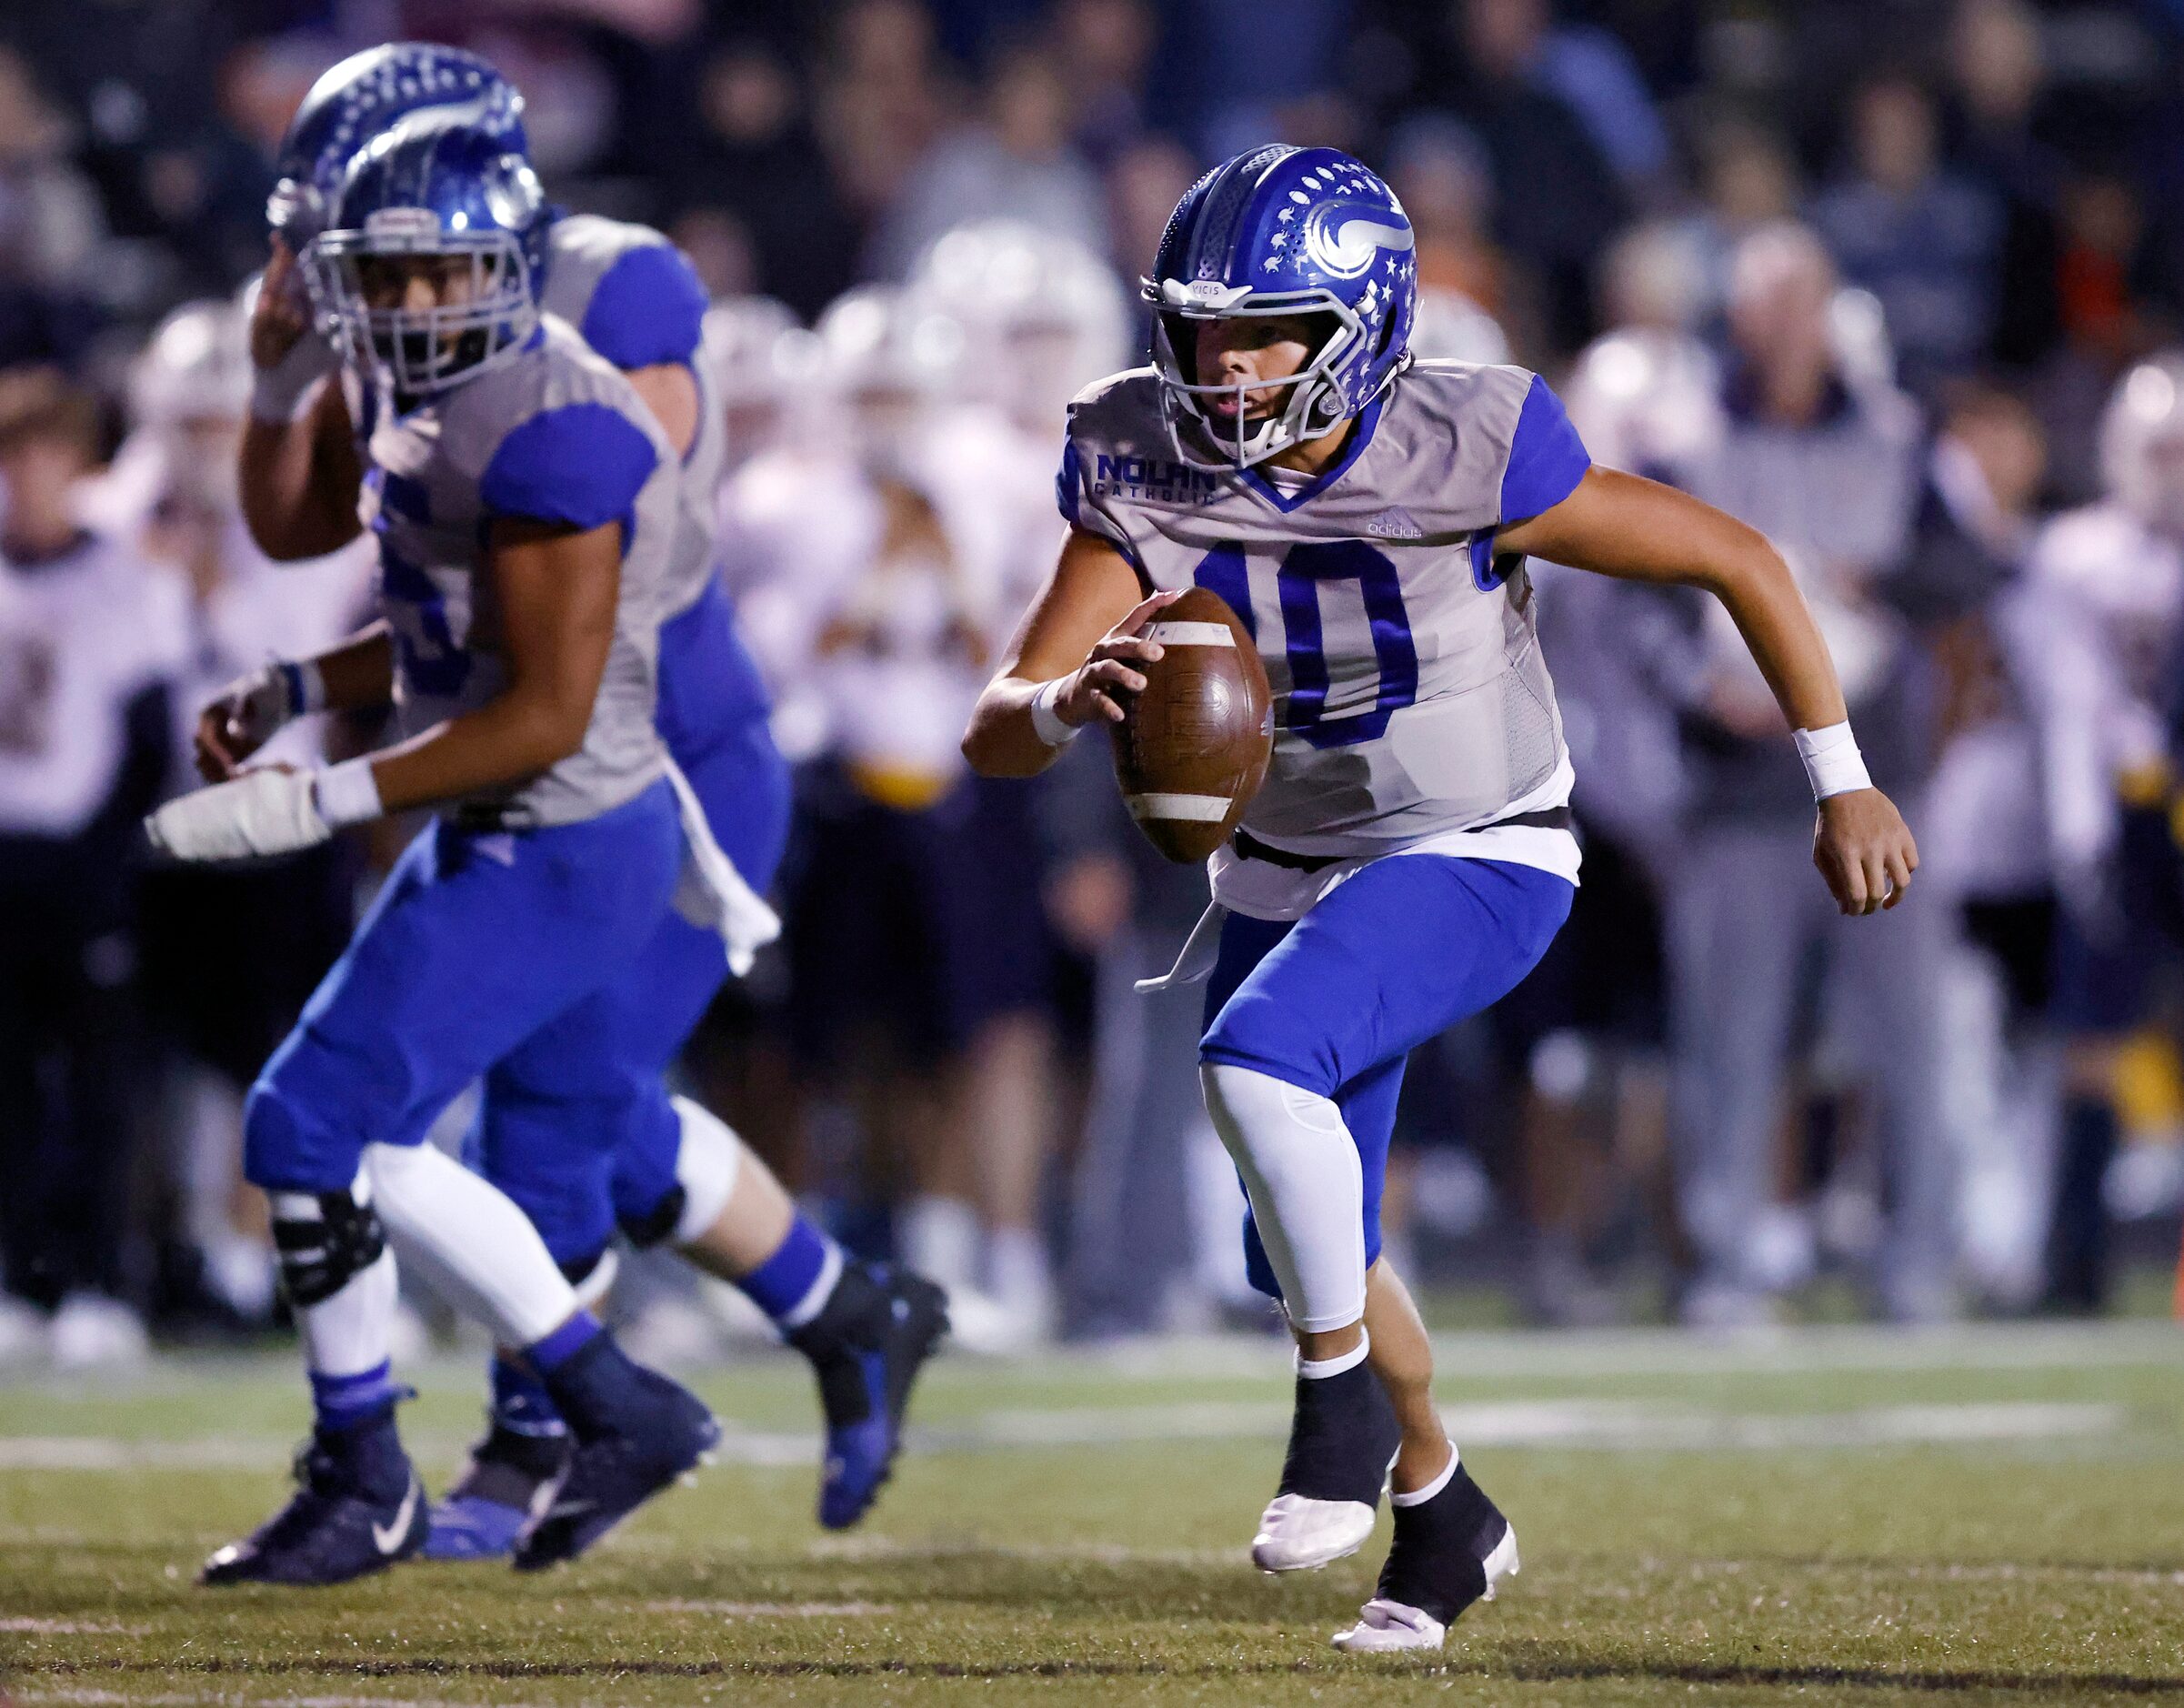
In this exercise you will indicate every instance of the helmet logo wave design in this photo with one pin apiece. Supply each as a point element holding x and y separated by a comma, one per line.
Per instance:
<point>1347,250</point>
<point>430,272</point>
<point>1281,231</point>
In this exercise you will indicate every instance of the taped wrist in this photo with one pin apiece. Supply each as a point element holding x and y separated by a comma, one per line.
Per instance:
<point>1046,720</point>
<point>324,1239</point>
<point>1832,762</point>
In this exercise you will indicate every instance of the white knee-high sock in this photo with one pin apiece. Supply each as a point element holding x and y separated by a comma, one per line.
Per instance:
<point>470,1240</point>
<point>348,1332</point>
<point>1301,1172</point>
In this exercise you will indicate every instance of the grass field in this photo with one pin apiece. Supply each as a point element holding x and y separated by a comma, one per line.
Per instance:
<point>1841,1515</point>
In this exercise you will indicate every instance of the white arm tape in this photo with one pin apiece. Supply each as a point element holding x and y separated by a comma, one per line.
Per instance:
<point>1045,721</point>
<point>1832,760</point>
<point>347,793</point>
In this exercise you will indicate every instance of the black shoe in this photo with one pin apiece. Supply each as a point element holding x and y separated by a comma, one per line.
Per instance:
<point>509,1471</point>
<point>1342,1436</point>
<point>636,1432</point>
<point>867,1348</point>
<point>357,1509</point>
<point>1448,1552</point>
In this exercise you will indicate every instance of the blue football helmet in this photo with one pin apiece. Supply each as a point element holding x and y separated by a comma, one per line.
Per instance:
<point>441,198</point>
<point>1281,230</point>
<point>362,97</point>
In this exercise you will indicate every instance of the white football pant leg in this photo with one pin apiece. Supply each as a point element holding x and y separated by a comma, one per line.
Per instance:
<point>1302,1174</point>
<point>470,1240</point>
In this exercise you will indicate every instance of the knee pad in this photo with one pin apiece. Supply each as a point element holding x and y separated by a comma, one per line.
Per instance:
<point>707,1159</point>
<point>324,1241</point>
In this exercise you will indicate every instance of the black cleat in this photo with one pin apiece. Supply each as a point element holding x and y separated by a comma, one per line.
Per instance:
<point>636,1432</point>
<point>357,1509</point>
<point>1342,1436</point>
<point>867,1348</point>
<point>1450,1551</point>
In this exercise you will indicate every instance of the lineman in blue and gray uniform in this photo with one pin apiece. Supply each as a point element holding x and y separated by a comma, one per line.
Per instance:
<point>1408,858</point>
<point>680,1175</point>
<point>524,503</point>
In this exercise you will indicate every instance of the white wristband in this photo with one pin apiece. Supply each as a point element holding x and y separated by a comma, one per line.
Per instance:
<point>347,793</point>
<point>280,393</point>
<point>1045,721</point>
<point>1832,760</point>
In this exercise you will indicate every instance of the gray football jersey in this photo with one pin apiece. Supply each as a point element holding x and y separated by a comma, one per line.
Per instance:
<point>1410,697</point>
<point>555,434</point>
<point>638,302</point>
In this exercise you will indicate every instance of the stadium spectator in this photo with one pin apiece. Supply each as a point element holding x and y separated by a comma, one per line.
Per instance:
<point>50,226</point>
<point>754,160</point>
<point>1017,162</point>
<point>1920,237</point>
<point>1558,199</point>
<point>2093,639</point>
<point>1104,50</point>
<point>1986,847</point>
<point>1998,67</point>
<point>91,635</point>
<point>1829,474</point>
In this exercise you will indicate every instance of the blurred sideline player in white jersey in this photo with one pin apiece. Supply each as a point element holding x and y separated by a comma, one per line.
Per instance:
<point>92,638</point>
<point>2093,640</point>
<point>868,555</point>
<point>173,489</point>
<point>681,1176</point>
<point>1042,315</point>
<point>1409,857</point>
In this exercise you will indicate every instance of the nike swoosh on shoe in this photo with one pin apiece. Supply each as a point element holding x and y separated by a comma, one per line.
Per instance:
<point>389,1538</point>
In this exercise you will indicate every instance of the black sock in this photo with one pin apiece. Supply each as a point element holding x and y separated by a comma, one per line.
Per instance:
<point>1438,1562</point>
<point>1341,1437</point>
<point>599,1390</point>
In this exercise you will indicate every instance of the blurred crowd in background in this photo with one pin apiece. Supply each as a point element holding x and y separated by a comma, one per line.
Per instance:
<point>1892,281</point>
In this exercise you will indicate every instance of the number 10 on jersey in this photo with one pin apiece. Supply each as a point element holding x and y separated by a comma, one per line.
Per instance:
<point>1305,568</point>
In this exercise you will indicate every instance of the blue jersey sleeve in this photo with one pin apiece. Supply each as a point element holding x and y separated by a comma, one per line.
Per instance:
<point>648,308</point>
<point>582,464</point>
<point>1546,458</point>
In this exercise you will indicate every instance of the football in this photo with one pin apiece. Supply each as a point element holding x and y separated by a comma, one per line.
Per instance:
<point>1192,748</point>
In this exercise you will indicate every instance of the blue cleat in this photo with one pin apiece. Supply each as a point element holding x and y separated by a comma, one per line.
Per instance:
<point>511,1474</point>
<point>648,1433</point>
<point>867,1347</point>
<point>358,1509</point>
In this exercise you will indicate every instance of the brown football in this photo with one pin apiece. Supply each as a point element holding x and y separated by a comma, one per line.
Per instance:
<point>1192,749</point>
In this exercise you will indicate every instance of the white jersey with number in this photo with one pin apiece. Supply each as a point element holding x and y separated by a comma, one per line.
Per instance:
<point>1412,706</point>
<point>80,638</point>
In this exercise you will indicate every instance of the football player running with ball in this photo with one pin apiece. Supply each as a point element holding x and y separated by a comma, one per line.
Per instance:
<point>1411,855</point>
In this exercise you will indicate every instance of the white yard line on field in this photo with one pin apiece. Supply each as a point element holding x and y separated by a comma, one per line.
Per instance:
<point>1595,1425</point>
<point>776,1610</point>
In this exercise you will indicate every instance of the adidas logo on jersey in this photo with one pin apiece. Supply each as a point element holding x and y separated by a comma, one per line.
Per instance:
<point>1395,524</point>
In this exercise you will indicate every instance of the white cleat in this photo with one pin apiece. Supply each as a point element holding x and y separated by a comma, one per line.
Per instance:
<point>1385,1627</point>
<point>1297,1533</point>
